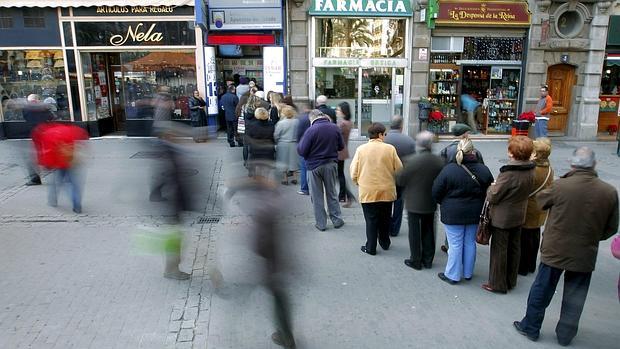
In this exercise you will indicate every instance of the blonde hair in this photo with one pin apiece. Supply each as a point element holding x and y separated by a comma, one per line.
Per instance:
<point>542,149</point>
<point>465,146</point>
<point>287,112</point>
<point>276,98</point>
<point>261,114</point>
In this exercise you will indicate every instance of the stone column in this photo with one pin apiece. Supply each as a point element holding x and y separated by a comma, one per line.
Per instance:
<point>585,111</point>
<point>298,53</point>
<point>421,39</point>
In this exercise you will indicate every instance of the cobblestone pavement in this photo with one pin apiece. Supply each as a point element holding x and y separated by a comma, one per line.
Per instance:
<point>76,281</point>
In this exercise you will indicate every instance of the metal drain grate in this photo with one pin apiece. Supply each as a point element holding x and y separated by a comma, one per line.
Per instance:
<point>209,219</point>
<point>147,155</point>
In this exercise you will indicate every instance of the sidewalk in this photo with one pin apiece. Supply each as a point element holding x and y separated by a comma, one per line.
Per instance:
<point>76,281</point>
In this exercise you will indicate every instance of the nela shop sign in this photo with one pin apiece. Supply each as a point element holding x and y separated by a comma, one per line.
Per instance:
<point>497,13</point>
<point>374,8</point>
<point>137,34</point>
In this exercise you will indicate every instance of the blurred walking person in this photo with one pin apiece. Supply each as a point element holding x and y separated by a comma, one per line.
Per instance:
<point>507,198</point>
<point>285,137</point>
<point>57,149</point>
<point>35,113</point>
<point>460,190</point>
<point>319,146</point>
<point>405,146</point>
<point>373,169</point>
<point>583,210</point>
<point>416,182</point>
<point>343,113</point>
<point>534,216</point>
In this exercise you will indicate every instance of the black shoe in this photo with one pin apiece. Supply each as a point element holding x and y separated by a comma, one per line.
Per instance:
<point>319,228</point>
<point>410,264</point>
<point>563,343</point>
<point>427,265</point>
<point>34,182</point>
<point>293,181</point>
<point>240,145</point>
<point>443,277</point>
<point>385,247</point>
<point>339,225</point>
<point>366,251</point>
<point>232,145</point>
<point>517,326</point>
<point>393,234</point>
<point>468,279</point>
<point>283,340</point>
<point>444,248</point>
<point>77,210</point>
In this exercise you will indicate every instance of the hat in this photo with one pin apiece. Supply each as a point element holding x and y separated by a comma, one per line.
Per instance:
<point>252,83</point>
<point>460,129</point>
<point>260,94</point>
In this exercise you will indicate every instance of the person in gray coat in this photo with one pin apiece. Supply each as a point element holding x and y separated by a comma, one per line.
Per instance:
<point>417,179</point>
<point>405,146</point>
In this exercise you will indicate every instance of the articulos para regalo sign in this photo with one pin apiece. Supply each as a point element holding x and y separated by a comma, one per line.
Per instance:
<point>483,13</point>
<point>365,8</point>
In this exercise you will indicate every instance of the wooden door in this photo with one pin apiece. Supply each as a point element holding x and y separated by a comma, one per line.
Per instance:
<point>560,79</point>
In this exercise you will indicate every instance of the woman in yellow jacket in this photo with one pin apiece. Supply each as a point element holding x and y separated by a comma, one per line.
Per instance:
<point>373,169</point>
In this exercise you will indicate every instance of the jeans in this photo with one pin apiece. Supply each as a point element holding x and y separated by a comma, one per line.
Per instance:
<point>60,176</point>
<point>576,287</point>
<point>377,216</point>
<point>540,128</point>
<point>322,182</point>
<point>422,238</point>
<point>397,212</point>
<point>303,176</point>
<point>462,252</point>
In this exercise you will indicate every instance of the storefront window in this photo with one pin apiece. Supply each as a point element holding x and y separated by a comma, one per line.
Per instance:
<point>360,37</point>
<point>144,72</point>
<point>339,85</point>
<point>25,72</point>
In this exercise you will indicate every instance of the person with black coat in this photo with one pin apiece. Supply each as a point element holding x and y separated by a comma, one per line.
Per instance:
<point>259,133</point>
<point>460,189</point>
<point>197,114</point>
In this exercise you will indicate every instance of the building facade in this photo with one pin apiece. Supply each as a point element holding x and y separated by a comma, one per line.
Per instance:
<point>499,51</point>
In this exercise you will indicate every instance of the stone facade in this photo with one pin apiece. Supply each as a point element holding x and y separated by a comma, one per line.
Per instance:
<point>298,37</point>
<point>586,49</point>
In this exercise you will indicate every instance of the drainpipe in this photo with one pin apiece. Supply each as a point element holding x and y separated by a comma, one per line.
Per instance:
<point>286,51</point>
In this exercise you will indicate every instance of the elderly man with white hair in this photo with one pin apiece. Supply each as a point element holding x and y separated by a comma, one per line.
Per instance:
<point>583,210</point>
<point>417,180</point>
<point>319,146</point>
<point>321,105</point>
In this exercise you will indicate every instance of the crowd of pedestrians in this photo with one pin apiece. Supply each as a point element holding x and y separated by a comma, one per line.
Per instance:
<point>394,172</point>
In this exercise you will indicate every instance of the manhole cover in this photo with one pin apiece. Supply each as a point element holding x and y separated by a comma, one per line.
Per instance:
<point>209,219</point>
<point>147,155</point>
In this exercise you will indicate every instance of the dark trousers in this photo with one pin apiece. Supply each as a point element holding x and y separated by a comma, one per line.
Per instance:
<point>576,287</point>
<point>344,193</point>
<point>422,238</point>
<point>505,254</point>
<point>397,212</point>
<point>530,240</point>
<point>231,132</point>
<point>377,216</point>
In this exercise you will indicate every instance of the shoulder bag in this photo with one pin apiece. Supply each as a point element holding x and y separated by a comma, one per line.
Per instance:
<point>483,233</point>
<point>542,185</point>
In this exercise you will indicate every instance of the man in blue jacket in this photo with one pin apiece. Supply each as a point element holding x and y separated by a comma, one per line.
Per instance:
<point>228,103</point>
<point>319,147</point>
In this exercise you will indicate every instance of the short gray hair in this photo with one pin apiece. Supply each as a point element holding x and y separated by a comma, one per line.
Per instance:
<point>397,122</point>
<point>320,100</point>
<point>315,114</point>
<point>33,97</point>
<point>424,139</point>
<point>583,157</point>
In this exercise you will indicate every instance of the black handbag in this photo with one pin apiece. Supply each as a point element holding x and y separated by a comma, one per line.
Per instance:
<point>483,233</point>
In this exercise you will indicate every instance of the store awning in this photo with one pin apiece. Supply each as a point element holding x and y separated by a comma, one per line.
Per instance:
<point>93,3</point>
<point>612,32</point>
<point>613,59</point>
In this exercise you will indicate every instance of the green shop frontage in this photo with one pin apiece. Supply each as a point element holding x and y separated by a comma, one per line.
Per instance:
<point>358,53</point>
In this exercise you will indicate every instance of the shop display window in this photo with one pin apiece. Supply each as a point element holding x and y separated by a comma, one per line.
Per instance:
<point>144,72</point>
<point>25,72</point>
<point>609,109</point>
<point>360,37</point>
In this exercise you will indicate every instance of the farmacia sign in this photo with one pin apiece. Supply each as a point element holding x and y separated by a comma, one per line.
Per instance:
<point>367,8</point>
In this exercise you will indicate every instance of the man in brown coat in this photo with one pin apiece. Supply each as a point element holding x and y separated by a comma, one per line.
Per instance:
<point>583,210</point>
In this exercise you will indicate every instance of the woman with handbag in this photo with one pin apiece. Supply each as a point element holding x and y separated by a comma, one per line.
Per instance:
<point>507,198</point>
<point>460,189</point>
<point>534,216</point>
